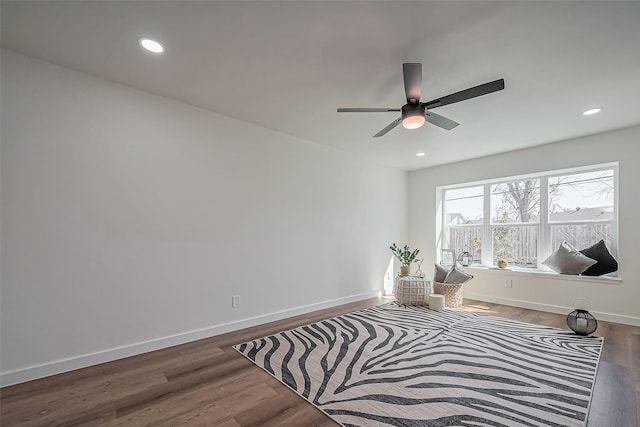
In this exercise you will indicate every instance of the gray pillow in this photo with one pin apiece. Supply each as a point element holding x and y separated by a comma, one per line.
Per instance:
<point>440,273</point>
<point>457,277</point>
<point>568,260</point>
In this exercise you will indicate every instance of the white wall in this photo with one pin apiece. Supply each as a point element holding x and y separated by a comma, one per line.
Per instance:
<point>620,301</point>
<point>129,218</point>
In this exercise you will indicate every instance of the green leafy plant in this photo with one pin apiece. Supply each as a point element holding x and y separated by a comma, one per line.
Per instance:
<point>404,255</point>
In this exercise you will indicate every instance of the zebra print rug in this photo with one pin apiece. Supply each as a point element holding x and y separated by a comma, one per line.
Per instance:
<point>393,365</point>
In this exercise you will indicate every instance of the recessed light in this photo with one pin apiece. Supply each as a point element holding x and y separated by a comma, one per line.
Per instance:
<point>420,154</point>
<point>592,111</point>
<point>151,45</point>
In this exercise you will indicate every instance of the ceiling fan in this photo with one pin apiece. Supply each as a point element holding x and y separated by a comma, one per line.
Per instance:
<point>414,113</point>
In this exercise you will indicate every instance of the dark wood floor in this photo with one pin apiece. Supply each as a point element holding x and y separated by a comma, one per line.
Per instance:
<point>207,383</point>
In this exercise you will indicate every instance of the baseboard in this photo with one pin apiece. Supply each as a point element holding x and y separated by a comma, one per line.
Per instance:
<point>83,361</point>
<point>609,317</point>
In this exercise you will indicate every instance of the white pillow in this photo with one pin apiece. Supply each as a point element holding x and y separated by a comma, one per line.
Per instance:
<point>568,260</point>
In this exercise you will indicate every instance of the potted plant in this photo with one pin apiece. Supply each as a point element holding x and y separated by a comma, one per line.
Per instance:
<point>405,256</point>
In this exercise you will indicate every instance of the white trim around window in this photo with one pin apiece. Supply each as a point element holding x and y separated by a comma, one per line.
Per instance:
<point>541,225</point>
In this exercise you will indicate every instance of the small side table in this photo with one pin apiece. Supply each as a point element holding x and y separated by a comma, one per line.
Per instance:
<point>412,290</point>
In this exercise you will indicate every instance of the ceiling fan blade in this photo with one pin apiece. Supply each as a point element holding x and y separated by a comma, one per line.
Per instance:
<point>366,110</point>
<point>391,125</point>
<point>412,81</point>
<point>463,95</point>
<point>440,121</point>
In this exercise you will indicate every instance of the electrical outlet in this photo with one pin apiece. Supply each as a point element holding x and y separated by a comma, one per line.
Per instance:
<point>235,301</point>
<point>508,283</point>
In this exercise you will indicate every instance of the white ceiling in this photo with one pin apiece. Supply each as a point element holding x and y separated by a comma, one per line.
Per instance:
<point>288,65</point>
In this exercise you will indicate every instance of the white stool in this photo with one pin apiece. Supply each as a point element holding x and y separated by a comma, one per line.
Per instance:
<point>436,302</point>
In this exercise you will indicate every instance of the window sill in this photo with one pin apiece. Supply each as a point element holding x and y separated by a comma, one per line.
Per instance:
<point>551,275</point>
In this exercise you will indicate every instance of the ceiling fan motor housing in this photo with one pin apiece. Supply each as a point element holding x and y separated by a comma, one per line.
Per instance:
<point>412,116</point>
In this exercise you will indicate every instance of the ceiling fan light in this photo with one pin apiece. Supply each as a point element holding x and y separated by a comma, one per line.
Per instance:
<point>413,119</point>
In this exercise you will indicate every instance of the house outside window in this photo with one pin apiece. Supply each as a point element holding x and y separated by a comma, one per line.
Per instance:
<point>524,219</point>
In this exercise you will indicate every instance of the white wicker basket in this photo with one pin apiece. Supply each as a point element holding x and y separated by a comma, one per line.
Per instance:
<point>452,293</point>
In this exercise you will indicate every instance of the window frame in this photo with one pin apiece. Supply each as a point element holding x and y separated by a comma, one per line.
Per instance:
<point>544,225</point>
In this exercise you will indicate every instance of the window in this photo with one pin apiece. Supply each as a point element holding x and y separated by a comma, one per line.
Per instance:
<point>515,216</point>
<point>464,220</point>
<point>523,220</point>
<point>581,208</point>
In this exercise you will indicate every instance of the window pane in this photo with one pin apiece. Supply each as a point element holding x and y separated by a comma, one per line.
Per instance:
<point>517,244</point>
<point>516,201</point>
<point>581,236</point>
<point>464,205</point>
<point>466,239</point>
<point>581,197</point>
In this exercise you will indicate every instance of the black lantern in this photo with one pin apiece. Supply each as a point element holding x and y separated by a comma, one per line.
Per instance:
<point>582,322</point>
<point>465,259</point>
